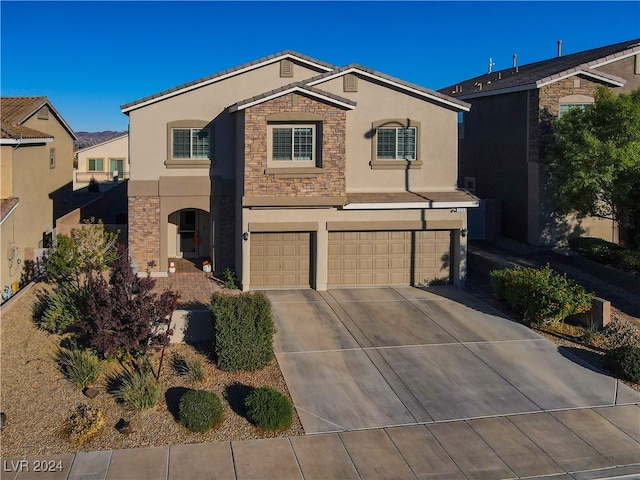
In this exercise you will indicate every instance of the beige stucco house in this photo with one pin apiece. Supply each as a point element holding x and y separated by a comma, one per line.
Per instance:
<point>502,141</point>
<point>296,173</point>
<point>104,162</point>
<point>36,169</point>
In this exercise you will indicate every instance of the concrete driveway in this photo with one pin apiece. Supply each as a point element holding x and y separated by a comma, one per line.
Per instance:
<point>382,357</point>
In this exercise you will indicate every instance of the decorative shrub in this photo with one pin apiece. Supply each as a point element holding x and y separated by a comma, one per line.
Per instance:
<point>268,408</point>
<point>242,331</point>
<point>81,367</point>
<point>230,279</point>
<point>625,362</point>
<point>137,388</point>
<point>200,410</point>
<point>66,307</point>
<point>190,369</point>
<point>84,424</point>
<point>540,295</point>
<point>601,251</point>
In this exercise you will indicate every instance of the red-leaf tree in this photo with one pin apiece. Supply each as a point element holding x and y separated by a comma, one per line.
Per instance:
<point>125,317</point>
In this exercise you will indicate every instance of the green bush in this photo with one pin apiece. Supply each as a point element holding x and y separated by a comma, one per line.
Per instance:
<point>625,362</point>
<point>242,331</point>
<point>230,280</point>
<point>137,388</point>
<point>540,295</point>
<point>268,408</point>
<point>608,253</point>
<point>84,424</point>
<point>81,367</point>
<point>66,307</point>
<point>200,410</point>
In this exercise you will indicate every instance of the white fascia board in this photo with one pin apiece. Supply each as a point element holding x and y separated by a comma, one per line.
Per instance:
<point>392,83</point>
<point>220,78</point>
<point>24,141</point>
<point>410,205</point>
<point>635,51</point>
<point>296,89</point>
<point>9,213</point>
<point>604,78</point>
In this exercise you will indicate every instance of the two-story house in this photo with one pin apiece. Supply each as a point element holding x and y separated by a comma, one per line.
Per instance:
<point>297,173</point>
<point>503,137</point>
<point>102,162</point>
<point>36,165</point>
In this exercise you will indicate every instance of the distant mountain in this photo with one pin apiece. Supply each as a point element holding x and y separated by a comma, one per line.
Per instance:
<point>87,139</point>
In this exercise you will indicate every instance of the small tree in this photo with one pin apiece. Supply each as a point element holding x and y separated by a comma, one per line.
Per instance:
<point>87,249</point>
<point>126,317</point>
<point>595,158</point>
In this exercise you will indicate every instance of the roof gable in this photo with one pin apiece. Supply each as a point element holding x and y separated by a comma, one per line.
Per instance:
<point>297,87</point>
<point>14,111</point>
<point>119,137</point>
<point>392,82</point>
<point>538,74</point>
<point>216,77</point>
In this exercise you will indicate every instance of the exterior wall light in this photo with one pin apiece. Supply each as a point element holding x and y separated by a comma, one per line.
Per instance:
<point>245,236</point>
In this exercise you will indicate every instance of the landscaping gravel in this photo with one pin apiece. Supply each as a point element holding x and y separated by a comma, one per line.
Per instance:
<point>37,399</point>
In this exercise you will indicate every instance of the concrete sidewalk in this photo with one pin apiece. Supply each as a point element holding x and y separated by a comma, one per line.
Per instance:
<point>575,444</point>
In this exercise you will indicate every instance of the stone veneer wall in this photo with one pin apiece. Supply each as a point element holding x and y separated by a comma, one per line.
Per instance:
<point>331,182</point>
<point>144,231</point>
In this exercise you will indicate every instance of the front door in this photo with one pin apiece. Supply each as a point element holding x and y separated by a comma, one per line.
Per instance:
<point>187,244</point>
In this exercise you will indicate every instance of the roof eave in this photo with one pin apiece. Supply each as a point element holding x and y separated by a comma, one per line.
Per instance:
<point>25,141</point>
<point>243,105</point>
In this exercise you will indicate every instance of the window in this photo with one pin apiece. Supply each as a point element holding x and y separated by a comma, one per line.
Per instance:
<point>116,165</point>
<point>52,158</point>
<point>460,124</point>
<point>396,143</point>
<point>293,143</point>
<point>190,143</point>
<point>95,164</point>
<point>564,107</point>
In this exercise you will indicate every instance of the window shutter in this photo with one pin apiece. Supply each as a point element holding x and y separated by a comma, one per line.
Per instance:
<point>350,83</point>
<point>286,68</point>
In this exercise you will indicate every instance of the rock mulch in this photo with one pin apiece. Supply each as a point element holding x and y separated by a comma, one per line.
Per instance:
<point>37,399</point>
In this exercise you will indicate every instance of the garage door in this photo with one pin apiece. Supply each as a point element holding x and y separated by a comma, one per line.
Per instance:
<point>388,258</point>
<point>280,260</point>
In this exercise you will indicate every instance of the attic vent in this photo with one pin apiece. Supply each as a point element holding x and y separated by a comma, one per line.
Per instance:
<point>350,83</point>
<point>43,113</point>
<point>286,69</point>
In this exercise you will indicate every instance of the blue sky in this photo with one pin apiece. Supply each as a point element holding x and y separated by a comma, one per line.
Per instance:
<point>91,57</point>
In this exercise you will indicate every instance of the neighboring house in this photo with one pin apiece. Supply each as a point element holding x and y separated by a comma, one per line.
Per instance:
<point>295,173</point>
<point>103,162</point>
<point>36,162</point>
<point>502,138</point>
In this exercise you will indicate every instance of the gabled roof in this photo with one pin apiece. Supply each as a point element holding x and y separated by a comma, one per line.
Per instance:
<point>538,74</point>
<point>185,87</point>
<point>14,111</point>
<point>299,87</point>
<point>391,81</point>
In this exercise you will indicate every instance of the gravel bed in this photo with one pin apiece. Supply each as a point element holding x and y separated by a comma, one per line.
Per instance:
<point>37,399</point>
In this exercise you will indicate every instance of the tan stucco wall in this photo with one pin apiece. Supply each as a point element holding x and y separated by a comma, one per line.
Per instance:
<point>323,216</point>
<point>33,183</point>
<point>117,148</point>
<point>148,125</point>
<point>438,139</point>
<point>625,69</point>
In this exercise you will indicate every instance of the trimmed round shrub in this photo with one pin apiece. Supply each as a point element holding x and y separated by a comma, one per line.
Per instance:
<point>625,362</point>
<point>268,408</point>
<point>200,410</point>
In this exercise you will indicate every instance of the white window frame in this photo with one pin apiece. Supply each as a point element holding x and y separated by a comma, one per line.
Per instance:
<point>292,162</point>
<point>192,155</point>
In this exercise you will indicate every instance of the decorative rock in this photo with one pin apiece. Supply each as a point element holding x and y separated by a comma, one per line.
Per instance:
<point>3,420</point>
<point>123,426</point>
<point>90,392</point>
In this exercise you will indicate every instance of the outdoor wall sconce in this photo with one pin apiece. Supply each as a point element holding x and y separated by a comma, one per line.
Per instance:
<point>245,236</point>
<point>463,232</point>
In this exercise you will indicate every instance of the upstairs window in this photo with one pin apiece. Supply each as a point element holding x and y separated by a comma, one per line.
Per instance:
<point>294,143</point>
<point>396,143</point>
<point>190,143</point>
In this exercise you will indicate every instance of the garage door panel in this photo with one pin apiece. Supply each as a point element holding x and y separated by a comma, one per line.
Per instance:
<point>280,260</point>
<point>385,258</point>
